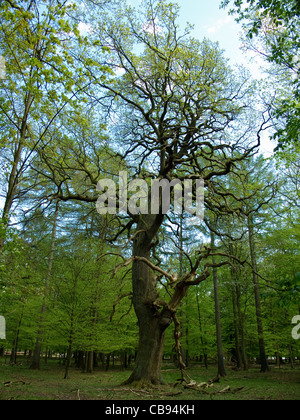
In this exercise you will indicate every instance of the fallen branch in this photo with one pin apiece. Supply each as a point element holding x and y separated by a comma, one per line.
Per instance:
<point>9,383</point>
<point>223,391</point>
<point>200,388</point>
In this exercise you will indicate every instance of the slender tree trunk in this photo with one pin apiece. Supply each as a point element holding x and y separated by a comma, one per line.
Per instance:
<point>35,363</point>
<point>107,360</point>
<point>234,280</point>
<point>292,357</point>
<point>261,343</point>
<point>239,318</point>
<point>15,173</point>
<point>236,331</point>
<point>241,327</point>
<point>90,361</point>
<point>184,323</point>
<point>221,365</point>
<point>94,311</point>
<point>186,359</point>
<point>70,348</point>
<point>69,356</point>
<point>203,344</point>
<point>13,356</point>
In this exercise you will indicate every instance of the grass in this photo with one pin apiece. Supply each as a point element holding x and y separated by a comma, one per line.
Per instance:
<point>20,383</point>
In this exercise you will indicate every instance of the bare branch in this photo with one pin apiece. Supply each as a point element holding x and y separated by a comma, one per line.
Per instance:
<point>117,302</point>
<point>154,267</point>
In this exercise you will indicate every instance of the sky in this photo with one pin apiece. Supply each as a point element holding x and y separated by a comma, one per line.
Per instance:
<point>216,24</point>
<point>212,22</point>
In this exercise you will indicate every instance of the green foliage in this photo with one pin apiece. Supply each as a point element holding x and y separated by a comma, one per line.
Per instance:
<point>276,23</point>
<point>169,87</point>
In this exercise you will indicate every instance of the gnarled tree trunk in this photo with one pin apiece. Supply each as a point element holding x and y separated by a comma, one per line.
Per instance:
<point>152,324</point>
<point>154,316</point>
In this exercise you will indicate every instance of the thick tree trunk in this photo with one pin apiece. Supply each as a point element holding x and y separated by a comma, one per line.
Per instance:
<point>149,357</point>
<point>151,322</point>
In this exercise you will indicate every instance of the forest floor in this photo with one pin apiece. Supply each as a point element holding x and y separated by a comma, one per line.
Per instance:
<point>19,383</point>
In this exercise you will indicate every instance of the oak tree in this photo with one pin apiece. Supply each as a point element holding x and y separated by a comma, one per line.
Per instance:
<point>174,103</point>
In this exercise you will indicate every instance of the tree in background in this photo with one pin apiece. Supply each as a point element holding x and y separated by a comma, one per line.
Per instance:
<point>261,185</point>
<point>276,25</point>
<point>35,363</point>
<point>36,40</point>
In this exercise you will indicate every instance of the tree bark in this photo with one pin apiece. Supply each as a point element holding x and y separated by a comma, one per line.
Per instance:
<point>69,356</point>
<point>261,343</point>
<point>151,323</point>
<point>15,173</point>
<point>150,352</point>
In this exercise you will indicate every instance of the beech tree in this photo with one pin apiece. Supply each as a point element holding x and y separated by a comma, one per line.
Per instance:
<point>41,80</point>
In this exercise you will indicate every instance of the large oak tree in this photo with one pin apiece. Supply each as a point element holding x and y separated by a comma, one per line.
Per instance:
<point>175,106</point>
